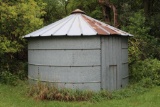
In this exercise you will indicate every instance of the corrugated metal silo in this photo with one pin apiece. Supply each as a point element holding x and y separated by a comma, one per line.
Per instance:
<point>79,52</point>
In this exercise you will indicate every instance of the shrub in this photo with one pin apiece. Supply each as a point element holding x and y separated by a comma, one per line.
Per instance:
<point>147,72</point>
<point>8,78</point>
<point>131,90</point>
<point>12,76</point>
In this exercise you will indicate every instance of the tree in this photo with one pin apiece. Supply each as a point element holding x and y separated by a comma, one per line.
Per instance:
<point>107,7</point>
<point>17,18</point>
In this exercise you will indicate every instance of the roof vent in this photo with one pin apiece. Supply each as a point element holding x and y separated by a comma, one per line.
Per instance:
<point>78,11</point>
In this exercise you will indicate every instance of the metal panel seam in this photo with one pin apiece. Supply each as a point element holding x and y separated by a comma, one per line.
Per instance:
<point>50,27</point>
<point>89,25</point>
<point>65,82</point>
<point>103,29</point>
<point>68,49</point>
<point>63,66</point>
<point>58,24</point>
<point>80,26</point>
<point>71,25</point>
<point>101,62</point>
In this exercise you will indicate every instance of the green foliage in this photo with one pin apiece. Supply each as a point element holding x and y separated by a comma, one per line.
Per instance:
<point>20,18</point>
<point>142,41</point>
<point>137,28</point>
<point>12,77</point>
<point>143,48</point>
<point>8,78</point>
<point>147,71</point>
<point>17,18</point>
<point>55,10</point>
<point>130,91</point>
<point>6,46</point>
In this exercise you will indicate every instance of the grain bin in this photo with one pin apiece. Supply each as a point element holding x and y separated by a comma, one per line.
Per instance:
<point>79,52</point>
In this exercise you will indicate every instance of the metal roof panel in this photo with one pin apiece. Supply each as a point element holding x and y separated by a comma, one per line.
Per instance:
<point>75,28</point>
<point>77,24</point>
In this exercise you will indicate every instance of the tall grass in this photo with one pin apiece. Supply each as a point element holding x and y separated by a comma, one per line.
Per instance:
<point>41,91</point>
<point>15,96</point>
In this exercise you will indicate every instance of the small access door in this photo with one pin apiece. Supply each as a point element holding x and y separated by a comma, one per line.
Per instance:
<point>113,77</point>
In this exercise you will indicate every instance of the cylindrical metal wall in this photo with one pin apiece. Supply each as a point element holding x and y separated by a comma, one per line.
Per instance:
<point>67,62</point>
<point>85,63</point>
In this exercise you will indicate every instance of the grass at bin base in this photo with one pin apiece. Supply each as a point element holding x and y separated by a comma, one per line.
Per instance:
<point>15,96</point>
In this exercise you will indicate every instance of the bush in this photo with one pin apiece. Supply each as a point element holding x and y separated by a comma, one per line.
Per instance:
<point>131,90</point>
<point>147,72</point>
<point>13,75</point>
<point>8,78</point>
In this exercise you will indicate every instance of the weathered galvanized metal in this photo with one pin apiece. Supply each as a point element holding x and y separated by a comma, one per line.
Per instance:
<point>90,61</point>
<point>77,24</point>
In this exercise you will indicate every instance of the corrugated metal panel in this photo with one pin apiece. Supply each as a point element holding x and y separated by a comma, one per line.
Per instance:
<point>80,86</point>
<point>124,56</point>
<point>58,43</point>
<point>77,24</point>
<point>114,62</point>
<point>124,43</point>
<point>64,57</point>
<point>65,74</point>
<point>125,74</point>
<point>56,60</point>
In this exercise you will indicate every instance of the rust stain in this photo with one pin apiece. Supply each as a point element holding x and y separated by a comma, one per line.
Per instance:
<point>98,29</point>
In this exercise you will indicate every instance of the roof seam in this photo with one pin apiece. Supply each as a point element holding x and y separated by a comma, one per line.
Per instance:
<point>49,26</point>
<point>58,24</point>
<point>71,24</point>
<point>60,27</point>
<point>89,24</point>
<point>103,29</point>
<point>80,26</point>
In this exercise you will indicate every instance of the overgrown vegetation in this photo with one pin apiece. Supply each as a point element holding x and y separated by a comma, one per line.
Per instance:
<point>43,91</point>
<point>144,51</point>
<point>147,71</point>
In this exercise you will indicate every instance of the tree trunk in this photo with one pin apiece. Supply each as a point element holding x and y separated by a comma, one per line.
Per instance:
<point>66,4</point>
<point>115,16</point>
<point>146,7</point>
<point>107,7</point>
<point>107,14</point>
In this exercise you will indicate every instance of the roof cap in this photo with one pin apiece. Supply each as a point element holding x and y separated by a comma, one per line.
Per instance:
<point>78,11</point>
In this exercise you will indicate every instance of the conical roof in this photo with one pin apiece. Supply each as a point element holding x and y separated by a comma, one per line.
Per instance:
<point>77,24</point>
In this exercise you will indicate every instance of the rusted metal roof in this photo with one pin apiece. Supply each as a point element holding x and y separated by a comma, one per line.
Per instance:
<point>77,24</point>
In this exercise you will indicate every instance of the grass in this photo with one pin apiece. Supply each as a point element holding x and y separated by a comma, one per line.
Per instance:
<point>16,97</point>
